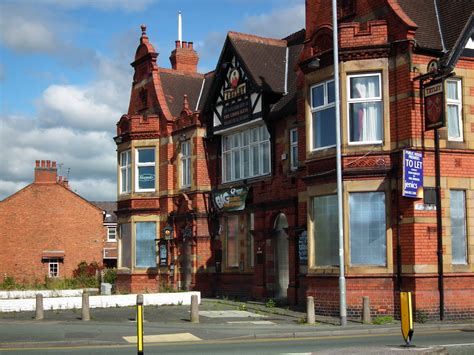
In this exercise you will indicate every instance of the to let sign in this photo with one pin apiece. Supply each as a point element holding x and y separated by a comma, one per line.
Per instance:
<point>303,248</point>
<point>434,105</point>
<point>412,174</point>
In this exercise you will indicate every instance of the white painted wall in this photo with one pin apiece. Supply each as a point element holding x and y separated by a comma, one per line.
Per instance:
<point>29,304</point>
<point>45,293</point>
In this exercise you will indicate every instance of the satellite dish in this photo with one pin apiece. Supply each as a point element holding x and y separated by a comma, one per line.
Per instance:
<point>433,66</point>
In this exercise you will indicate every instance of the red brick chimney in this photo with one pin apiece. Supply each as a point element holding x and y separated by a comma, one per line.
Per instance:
<point>45,172</point>
<point>184,57</point>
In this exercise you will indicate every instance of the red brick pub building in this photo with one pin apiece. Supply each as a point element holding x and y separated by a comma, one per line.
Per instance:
<point>227,180</point>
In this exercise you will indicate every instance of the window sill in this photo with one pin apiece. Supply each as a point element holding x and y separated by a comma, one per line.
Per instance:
<point>355,144</point>
<point>248,179</point>
<point>111,240</point>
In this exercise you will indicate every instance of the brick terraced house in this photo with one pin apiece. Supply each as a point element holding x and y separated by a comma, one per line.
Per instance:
<point>47,229</point>
<point>227,180</point>
<point>390,241</point>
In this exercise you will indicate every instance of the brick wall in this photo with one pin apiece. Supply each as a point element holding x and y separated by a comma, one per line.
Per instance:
<point>48,216</point>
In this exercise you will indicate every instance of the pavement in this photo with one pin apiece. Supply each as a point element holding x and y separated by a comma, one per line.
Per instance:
<point>219,320</point>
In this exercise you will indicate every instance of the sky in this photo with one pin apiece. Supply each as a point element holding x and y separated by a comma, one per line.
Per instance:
<point>65,74</point>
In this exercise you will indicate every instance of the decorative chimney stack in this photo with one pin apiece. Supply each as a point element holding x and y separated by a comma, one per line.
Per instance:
<point>183,57</point>
<point>45,172</point>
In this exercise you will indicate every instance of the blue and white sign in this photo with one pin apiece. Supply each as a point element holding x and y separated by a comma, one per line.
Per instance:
<point>412,174</point>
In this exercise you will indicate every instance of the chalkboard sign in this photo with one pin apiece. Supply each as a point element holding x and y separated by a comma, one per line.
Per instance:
<point>303,248</point>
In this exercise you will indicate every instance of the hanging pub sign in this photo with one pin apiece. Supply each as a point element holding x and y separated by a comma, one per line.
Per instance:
<point>237,102</point>
<point>434,105</point>
<point>412,174</point>
<point>232,199</point>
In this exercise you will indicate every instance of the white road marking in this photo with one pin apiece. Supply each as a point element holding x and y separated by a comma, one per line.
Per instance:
<point>229,314</point>
<point>164,338</point>
<point>258,322</point>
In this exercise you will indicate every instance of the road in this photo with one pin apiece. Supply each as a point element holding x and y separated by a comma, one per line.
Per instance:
<point>454,341</point>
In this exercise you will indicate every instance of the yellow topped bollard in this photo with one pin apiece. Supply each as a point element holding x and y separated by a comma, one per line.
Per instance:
<point>140,324</point>
<point>406,317</point>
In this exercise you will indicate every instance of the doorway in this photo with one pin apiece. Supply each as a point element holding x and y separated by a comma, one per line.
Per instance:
<point>282,274</point>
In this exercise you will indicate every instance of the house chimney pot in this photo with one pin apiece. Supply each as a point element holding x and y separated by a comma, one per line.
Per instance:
<point>45,172</point>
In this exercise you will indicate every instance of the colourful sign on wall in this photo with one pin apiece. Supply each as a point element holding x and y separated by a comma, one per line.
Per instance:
<point>232,199</point>
<point>412,174</point>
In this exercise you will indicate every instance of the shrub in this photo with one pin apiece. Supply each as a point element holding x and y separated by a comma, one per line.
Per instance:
<point>110,275</point>
<point>86,275</point>
<point>382,320</point>
<point>8,283</point>
<point>421,316</point>
<point>270,303</point>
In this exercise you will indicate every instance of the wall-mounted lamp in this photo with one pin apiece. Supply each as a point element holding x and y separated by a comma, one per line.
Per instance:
<point>118,139</point>
<point>314,64</point>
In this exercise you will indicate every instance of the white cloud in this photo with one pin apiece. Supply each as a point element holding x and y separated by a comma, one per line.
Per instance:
<point>95,189</point>
<point>104,5</point>
<point>71,106</point>
<point>278,23</point>
<point>74,127</point>
<point>84,156</point>
<point>26,34</point>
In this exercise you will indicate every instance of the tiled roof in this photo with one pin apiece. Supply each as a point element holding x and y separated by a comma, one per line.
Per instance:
<point>453,16</point>
<point>176,85</point>
<point>208,78</point>
<point>109,207</point>
<point>287,104</point>
<point>264,58</point>
<point>423,13</point>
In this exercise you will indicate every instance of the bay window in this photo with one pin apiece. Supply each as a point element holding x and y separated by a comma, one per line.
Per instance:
<point>246,154</point>
<point>454,109</point>
<point>367,228</point>
<point>145,253</point>
<point>326,238</point>
<point>365,108</point>
<point>145,169</point>
<point>125,172</point>
<point>323,115</point>
<point>185,164</point>
<point>458,227</point>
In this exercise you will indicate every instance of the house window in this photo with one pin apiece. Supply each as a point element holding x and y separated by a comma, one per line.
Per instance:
<point>232,236</point>
<point>246,154</point>
<point>365,108</point>
<point>368,244</point>
<point>454,109</point>
<point>294,149</point>
<point>145,253</point>
<point>185,164</point>
<point>145,169</point>
<point>111,234</point>
<point>125,172</point>
<point>458,227</point>
<point>53,268</point>
<point>326,240</point>
<point>324,115</point>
